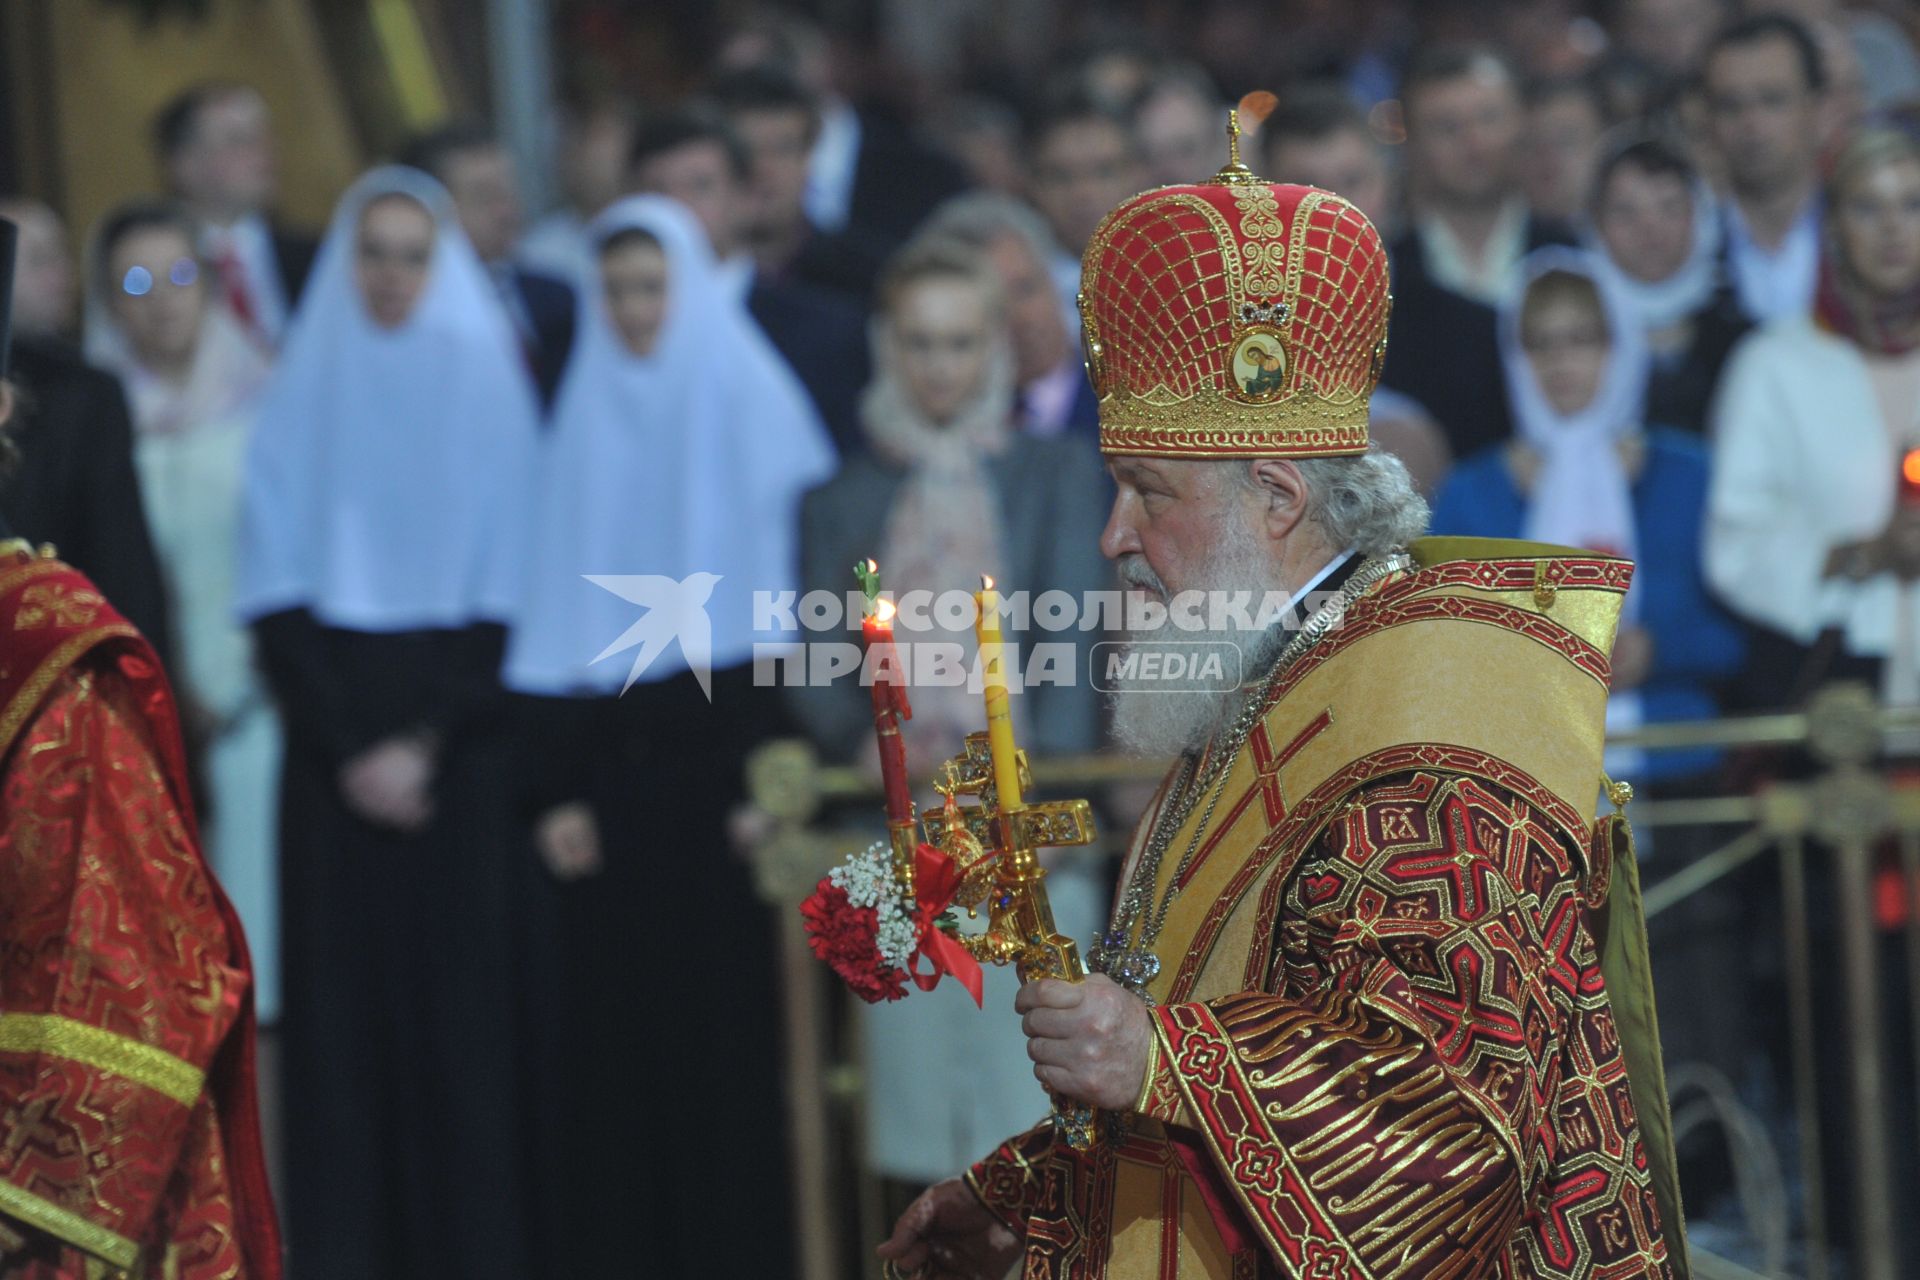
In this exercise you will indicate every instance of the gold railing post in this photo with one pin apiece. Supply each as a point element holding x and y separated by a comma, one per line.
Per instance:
<point>1866,1068</point>
<point>1852,811</point>
<point>783,784</point>
<point>1910,867</point>
<point>1806,1090</point>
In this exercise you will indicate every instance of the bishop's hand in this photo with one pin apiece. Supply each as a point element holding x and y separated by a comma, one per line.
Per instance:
<point>1088,1040</point>
<point>947,1234</point>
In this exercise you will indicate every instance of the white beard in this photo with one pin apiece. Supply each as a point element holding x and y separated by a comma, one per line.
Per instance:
<point>1154,723</point>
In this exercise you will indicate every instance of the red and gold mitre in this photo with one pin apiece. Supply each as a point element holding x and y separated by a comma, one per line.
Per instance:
<point>1235,318</point>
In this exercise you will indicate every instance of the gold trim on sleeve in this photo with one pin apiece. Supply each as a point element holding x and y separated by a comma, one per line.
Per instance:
<point>68,1226</point>
<point>156,1069</point>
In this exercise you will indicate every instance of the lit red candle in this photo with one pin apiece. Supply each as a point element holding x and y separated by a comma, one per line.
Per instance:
<point>890,705</point>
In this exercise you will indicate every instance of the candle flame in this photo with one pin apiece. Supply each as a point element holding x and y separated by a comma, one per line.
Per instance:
<point>986,582</point>
<point>1910,466</point>
<point>883,610</point>
<point>873,566</point>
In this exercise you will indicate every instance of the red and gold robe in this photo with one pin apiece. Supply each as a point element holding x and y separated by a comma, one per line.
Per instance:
<point>129,1134</point>
<point>1386,1044</point>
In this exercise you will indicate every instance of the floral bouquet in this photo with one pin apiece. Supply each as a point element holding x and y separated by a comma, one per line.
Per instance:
<point>878,936</point>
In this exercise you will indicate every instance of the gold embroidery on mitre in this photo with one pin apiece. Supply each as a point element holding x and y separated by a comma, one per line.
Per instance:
<point>1173,313</point>
<point>1262,249</point>
<point>1210,424</point>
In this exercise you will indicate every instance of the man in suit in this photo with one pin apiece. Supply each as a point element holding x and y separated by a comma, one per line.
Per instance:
<point>1767,97</point>
<point>477,172</point>
<point>691,154</point>
<point>778,124</point>
<point>215,143</point>
<point>1469,229</point>
<point>1084,161</point>
<point>1054,396</point>
<point>866,172</point>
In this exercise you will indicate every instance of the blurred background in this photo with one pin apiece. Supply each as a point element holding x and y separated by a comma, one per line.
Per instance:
<point>535,994</point>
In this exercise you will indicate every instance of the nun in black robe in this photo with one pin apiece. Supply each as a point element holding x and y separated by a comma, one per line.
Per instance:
<point>377,564</point>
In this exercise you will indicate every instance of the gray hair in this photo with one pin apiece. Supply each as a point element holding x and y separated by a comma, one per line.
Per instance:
<point>982,217</point>
<point>1366,501</point>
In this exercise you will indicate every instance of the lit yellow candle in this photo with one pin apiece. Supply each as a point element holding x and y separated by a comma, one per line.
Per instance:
<point>993,657</point>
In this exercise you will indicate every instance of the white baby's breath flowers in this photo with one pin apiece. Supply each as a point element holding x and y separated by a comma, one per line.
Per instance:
<point>867,880</point>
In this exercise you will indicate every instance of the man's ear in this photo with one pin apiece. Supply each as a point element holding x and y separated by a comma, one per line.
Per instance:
<point>1284,490</point>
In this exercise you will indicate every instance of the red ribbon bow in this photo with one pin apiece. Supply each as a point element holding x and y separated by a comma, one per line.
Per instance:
<point>936,879</point>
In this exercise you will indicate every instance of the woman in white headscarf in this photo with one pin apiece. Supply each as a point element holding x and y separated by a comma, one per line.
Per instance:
<point>1657,233</point>
<point>669,498</point>
<point>193,379</point>
<point>390,457</point>
<point>1586,470</point>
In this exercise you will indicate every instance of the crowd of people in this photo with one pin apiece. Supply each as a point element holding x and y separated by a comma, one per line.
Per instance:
<point>1656,292</point>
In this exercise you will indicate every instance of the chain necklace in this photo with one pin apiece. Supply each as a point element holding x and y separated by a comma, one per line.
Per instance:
<point>1135,966</point>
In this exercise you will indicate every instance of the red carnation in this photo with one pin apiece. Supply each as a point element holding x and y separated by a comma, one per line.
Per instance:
<point>847,938</point>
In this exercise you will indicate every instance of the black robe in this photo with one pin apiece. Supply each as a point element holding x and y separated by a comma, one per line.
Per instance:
<point>76,487</point>
<point>672,1158</point>
<point>410,960</point>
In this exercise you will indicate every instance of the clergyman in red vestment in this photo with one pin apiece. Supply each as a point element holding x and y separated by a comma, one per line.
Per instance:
<point>129,1130</point>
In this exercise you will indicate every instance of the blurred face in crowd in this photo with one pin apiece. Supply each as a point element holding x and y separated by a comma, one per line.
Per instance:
<point>486,198</point>
<point>633,271</point>
<point>157,296</point>
<point>593,160</point>
<point>1082,168</point>
<point>1034,322</point>
<point>990,156</point>
<point>781,144</point>
<point>45,290</point>
<point>1564,335</point>
<point>1765,119</point>
<point>393,257</point>
<point>1876,221</point>
<point>1182,135</point>
<point>1563,133</point>
<point>942,333</point>
<point>1346,162</point>
<point>700,175</point>
<point>1464,135</point>
<point>1645,219</point>
<point>226,167</point>
<point>1670,34</point>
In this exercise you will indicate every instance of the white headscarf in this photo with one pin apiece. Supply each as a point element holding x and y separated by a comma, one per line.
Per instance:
<point>1581,497</point>
<point>387,466</point>
<point>689,460</point>
<point>944,525</point>
<point>1661,304</point>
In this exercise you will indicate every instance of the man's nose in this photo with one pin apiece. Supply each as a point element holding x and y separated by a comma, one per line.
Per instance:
<point>1120,537</point>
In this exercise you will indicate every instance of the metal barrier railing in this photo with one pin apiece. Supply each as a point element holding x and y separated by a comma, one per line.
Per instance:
<point>1846,811</point>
